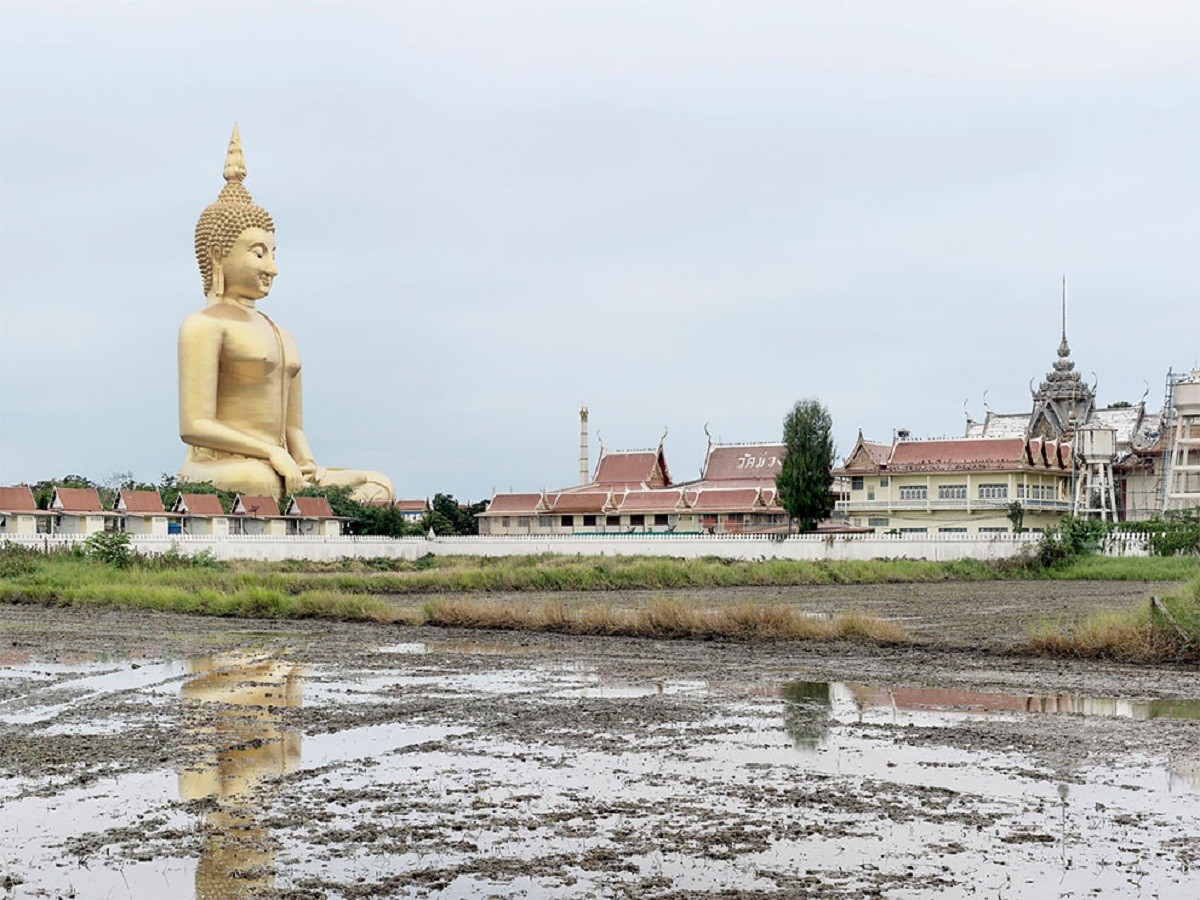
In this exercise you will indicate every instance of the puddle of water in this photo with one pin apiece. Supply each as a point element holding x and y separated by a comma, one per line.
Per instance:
<point>476,648</point>
<point>797,778</point>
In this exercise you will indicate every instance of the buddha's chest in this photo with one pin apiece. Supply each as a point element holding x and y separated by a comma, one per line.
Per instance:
<point>257,350</point>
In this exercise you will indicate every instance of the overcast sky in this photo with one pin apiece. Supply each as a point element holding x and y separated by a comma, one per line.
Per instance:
<point>677,213</point>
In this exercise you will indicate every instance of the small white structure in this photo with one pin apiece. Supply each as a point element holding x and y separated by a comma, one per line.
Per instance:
<point>77,511</point>
<point>200,514</point>
<point>312,516</point>
<point>256,515</point>
<point>1095,450</point>
<point>141,512</point>
<point>1183,486</point>
<point>18,513</point>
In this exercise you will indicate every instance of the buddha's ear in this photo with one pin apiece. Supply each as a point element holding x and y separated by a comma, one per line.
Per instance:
<point>218,274</point>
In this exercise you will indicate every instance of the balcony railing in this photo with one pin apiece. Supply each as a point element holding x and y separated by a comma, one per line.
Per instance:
<point>895,505</point>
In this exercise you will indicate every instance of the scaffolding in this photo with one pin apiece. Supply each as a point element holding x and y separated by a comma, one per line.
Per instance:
<point>1181,458</point>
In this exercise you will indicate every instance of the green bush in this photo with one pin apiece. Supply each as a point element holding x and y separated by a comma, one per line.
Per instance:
<point>109,547</point>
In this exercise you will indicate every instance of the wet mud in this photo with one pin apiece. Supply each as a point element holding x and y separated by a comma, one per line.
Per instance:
<point>167,756</point>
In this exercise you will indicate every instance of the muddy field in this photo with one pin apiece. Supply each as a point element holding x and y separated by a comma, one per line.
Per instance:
<point>158,756</point>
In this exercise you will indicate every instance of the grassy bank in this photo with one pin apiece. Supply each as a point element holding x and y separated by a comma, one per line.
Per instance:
<point>664,618</point>
<point>1167,631</point>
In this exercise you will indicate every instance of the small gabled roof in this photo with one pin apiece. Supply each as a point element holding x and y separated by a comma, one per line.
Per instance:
<point>867,456</point>
<point>76,500</point>
<point>728,499</point>
<point>139,502</point>
<point>666,500</point>
<point>408,506</point>
<point>17,499</point>
<point>743,462</point>
<point>198,505</point>
<point>513,504</point>
<point>310,508</point>
<point>255,506</point>
<point>590,502</point>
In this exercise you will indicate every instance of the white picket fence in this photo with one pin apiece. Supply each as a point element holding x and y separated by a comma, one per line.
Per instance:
<point>809,547</point>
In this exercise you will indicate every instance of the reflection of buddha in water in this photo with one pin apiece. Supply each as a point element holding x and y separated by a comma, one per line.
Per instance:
<point>240,397</point>
<point>232,713</point>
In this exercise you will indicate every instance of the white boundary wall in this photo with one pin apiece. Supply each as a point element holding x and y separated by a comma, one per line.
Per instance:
<point>796,547</point>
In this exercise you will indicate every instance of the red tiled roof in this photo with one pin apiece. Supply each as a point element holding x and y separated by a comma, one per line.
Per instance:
<point>79,499</point>
<point>419,506</point>
<point>17,499</point>
<point>878,452</point>
<point>255,506</point>
<point>513,504</point>
<point>139,502</point>
<point>976,452</point>
<point>650,501</point>
<point>200,504</point>
<point>738,463</point>
<point>311,508</point>
<point>631,467</point>
<point>735,500</point>
<point>579,503</point>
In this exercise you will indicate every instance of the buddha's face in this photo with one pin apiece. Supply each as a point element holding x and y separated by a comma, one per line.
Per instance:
<point>249,267</point>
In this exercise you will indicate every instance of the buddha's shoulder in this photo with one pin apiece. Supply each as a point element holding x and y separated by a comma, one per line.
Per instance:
<point>214,317</point>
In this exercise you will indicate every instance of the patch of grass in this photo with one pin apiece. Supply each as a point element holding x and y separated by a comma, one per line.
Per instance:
<point>1141,633</point>
<point>663,618</point>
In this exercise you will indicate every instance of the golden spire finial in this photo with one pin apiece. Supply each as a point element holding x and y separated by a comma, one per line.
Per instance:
<point>235,163</point>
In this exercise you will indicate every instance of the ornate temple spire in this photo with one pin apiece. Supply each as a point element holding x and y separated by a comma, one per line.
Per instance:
<point>1062,401</point>
<point>235,163</point>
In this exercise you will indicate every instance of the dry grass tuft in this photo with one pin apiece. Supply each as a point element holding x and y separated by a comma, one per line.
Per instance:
<point>663,618</point>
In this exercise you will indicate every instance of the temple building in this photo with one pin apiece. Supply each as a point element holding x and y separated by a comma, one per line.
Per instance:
<point>1032,460</point>
<point>633,492</point>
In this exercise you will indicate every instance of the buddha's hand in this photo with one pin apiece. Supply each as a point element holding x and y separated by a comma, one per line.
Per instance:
<point>313,474</point>
<point>293,478</point>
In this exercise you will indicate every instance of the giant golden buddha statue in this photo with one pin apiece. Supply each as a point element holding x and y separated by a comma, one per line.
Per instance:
<point>240,396</point>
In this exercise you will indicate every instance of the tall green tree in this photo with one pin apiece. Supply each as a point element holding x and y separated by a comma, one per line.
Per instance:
<point>806,476</point>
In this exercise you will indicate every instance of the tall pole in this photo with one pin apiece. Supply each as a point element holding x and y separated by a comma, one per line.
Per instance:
<point>583,445</point>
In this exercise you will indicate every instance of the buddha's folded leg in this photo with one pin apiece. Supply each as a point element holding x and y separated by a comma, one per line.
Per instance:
<point>368,487</point>
<point>241,476</point>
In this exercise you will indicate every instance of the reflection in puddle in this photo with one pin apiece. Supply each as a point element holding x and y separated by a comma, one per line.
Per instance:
<point>861,698</point>
<point>232,709</point>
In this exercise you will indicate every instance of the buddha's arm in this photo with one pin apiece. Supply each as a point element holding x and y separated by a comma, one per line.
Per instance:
<point>199,368</point>
<point>296,440</point>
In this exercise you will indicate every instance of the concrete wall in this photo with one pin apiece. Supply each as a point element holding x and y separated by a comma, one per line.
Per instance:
<point>748,547</point>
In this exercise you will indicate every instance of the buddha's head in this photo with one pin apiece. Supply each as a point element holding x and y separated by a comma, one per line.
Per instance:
<point>232,232</point>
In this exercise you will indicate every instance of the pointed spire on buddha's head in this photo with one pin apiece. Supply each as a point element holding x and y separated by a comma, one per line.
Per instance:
<point>232,213</point>
<point>235,163</point>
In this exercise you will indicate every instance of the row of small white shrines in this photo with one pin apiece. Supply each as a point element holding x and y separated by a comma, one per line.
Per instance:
<point>811,548</point>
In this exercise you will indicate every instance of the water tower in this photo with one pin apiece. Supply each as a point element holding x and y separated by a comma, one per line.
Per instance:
<point>1183,486</point>
<point>1096,448</point>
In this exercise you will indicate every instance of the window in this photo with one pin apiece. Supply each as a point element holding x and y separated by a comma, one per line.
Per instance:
<point>856,483</point>
<point>952,531</point>
<point>993,531</point>
<point>544,521</point>
<point>589,521</point>
<point>1033,491</point>
<point>952,492</point>
<point>637,520</point>
<point>913,492</point>
<point>504,521</point>
<point>883,482</point>
<point>612,520</point>
<point>914,530</point>
<point>993,492</point>
<point>877,521</point>
<point>522,521</point>
<point>568,521</point>
<point>660,519</point>
<point>737,518</point>
<point>870,495</point>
